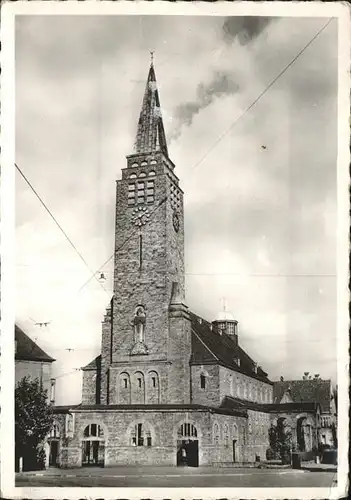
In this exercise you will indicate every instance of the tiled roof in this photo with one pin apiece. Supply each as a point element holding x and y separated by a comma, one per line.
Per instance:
<point>208,346</point>
<point>308,391</point>
<point>93,365</point>
<point>230,402</point>
<point>27,349</point>
<point>150,133</point>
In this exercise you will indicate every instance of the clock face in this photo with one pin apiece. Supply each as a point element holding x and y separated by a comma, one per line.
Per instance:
<point>140,216</point>
<point>176,221</point>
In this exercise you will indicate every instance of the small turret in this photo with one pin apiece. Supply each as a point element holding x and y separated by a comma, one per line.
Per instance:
<point>225,323</point>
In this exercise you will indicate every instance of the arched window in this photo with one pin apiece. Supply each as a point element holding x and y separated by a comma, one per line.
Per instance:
<point>134,165</point>
<point>93,431</point>
<point>235,432</point>
<point>202,381</point>
<point>124,388</point>
<point>142,174</point>
<point>141,435</point>
<point>153,387</point>
<point>231,386</point>
<point>245,390</point>
<point>187,430</point>
<point>143,164</point>
<point>226,435</point>
<point>153,162</point>
<point>138,389</point>
<point>132,176</point>
<point>216,435</point>
<point>55,431</point>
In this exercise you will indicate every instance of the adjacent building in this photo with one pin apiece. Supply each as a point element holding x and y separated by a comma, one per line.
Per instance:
<point>169,387</point>
<point>312,391</point>
<point>31,361</point>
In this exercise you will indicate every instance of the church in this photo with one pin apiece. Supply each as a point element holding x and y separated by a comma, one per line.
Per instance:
<point>169,387</point>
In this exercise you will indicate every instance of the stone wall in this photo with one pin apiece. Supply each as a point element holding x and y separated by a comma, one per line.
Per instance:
<point>210,395</point>
<point>125,387</point>
<point>162,426</point>
<point>225,430</point>
<point>257,435</point>
<point>162,262</point>
<point>242,386</point>
<point>291,421</point>
<point>89,389</point>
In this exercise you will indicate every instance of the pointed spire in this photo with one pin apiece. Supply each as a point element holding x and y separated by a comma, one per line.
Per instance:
<point>150,134</point>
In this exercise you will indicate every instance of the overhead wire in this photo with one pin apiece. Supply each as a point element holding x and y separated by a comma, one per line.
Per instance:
<point>261,94</point>
<point>267,88</point>
<point>132,233</point>
<point>58,225</point>
<point>230,128</point>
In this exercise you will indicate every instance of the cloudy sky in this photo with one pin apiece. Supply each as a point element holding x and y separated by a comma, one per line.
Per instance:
<point>260,204</point>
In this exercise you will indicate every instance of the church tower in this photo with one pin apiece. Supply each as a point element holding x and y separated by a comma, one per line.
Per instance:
<point>146,338</point>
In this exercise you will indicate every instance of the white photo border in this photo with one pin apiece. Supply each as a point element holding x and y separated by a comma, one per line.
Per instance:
<point>274,9</point>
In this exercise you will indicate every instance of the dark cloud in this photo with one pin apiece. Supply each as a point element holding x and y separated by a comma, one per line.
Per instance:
<point>221,84</point>
<point>244,28</point>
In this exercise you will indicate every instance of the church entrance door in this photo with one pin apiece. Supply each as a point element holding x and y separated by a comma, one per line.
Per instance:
<point>93,446</point>
<point>53,453</point>
<point>93,453</point>
<point>187,446</point>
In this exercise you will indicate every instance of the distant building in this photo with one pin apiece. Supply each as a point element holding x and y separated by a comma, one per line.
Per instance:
<point>169,387</point>
<point>312,391</point>
<point>31,361</point>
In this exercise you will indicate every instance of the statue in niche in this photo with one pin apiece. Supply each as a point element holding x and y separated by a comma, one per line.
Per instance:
<point>139,322</point>
<point>139,325</point>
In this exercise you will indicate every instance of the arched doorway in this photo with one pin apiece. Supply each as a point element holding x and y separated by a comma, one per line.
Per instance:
<point>304,434</point>
<point>187,446</point>
<point>54,439</point>
<point>93,446</point>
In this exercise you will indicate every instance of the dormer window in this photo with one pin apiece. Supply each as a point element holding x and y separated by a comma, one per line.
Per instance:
<point>237,361</point>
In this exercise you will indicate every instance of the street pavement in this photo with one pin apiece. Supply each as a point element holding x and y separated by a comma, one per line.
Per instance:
<point>171,477</point>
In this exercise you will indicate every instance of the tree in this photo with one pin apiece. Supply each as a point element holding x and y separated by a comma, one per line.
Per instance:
<point>280,440</point>
<point>33,421</point>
